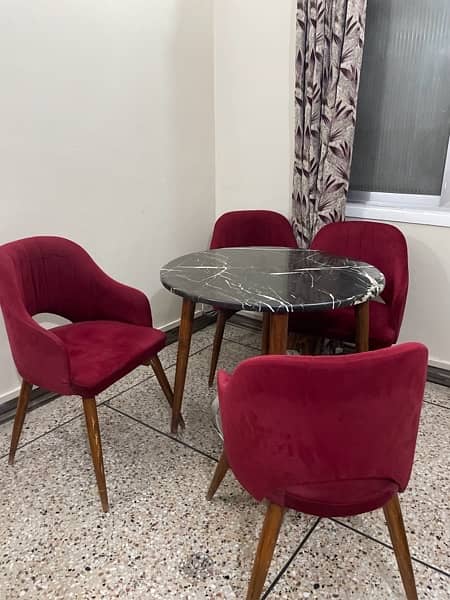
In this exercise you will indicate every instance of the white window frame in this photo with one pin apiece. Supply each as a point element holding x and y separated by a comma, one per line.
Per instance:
<point>404,208</point>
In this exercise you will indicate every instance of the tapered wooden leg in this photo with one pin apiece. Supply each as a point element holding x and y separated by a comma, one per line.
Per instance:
<point>308,345</point>
<point>278,335</point>
<point>222,318</point>
<point>219,474</point>
<point>264,553</point>
<point>265,333</point>
<point>184,344</point>
<point>393,514</point>
<point>161,376</point>
<point>93,431</point>
<point>24,396</point>
<point>362,326</point>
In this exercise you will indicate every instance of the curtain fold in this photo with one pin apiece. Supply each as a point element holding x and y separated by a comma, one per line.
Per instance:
<point>329,42</point>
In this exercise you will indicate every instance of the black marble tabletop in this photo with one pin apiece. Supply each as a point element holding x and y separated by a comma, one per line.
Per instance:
<point>272,279</point>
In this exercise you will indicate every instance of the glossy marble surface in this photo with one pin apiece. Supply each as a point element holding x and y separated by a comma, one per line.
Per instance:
<point>272,279</point>
<point>162,540</point>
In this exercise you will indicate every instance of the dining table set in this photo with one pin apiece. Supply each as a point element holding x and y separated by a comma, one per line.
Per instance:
<point>330,436</point>
<point>274,281</point>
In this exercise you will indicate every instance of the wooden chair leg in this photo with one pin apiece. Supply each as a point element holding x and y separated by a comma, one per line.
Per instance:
<point>278,334</point>
<point>21,409</point>
<point>264,553</point>
<point>265,333</point>
<point>393,514</point>
<point>161,376</point>
<point>93,431</point>
<point>362,313</point>
<point>219,474</point>
<point>222,318</point>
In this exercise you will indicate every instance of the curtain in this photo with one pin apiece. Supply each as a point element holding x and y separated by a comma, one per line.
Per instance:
<point>329,42</point>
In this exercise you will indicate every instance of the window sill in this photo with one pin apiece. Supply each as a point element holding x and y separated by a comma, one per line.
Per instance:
<point>439,216</point>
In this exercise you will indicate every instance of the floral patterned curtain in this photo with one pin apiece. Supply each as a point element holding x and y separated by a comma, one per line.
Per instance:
<point>330,39</point>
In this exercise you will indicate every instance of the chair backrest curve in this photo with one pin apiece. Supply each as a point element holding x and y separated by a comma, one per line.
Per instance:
<point>252,228</point>
<point>48,274</point>
<point>378,244</point>
<point>288,420</point>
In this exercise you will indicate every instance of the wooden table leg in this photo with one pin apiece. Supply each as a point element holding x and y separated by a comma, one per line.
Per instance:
<point>222,317</point>
<point>362,327</point>
<point>265,333</point>
<point>184,344</point>
<point>278,333</point>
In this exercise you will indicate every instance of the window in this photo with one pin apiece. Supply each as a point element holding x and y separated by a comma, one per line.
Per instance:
<point>403,123</point>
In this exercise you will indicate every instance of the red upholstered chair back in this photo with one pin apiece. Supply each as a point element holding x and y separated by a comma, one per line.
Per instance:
<point>252,228</point>
<point>291,420</point>
<point>48,275</point>
<point>378,244</point>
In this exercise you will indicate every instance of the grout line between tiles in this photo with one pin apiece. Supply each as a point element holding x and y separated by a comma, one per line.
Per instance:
<point>291,559</point>
<point>242,344</point>
<point>163,433</point>
<point>69,420</point>
<point>436,404</point>
<point>377,541</point>
<point>46,433</point>
<point>151,376</point>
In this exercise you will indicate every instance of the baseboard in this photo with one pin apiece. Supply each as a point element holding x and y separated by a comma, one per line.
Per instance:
<point>438,375</point>
<point>439,364</point>
<point>38,398</point>
<point>9,395</point>
<point>176,322</point>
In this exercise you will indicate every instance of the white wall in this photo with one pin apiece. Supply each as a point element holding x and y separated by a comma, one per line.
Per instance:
<point>254,48</point>
<point>107,134</point>
<point>427,316</point>
<point>254,62</point>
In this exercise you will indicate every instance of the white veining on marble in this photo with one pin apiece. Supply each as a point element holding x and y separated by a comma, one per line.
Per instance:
<point>272,279</point>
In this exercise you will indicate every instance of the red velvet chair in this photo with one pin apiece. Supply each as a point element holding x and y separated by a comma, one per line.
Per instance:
<point>330,436</point>
<point>245,228</point>
<point>381,245</point>
<point>111,331</point>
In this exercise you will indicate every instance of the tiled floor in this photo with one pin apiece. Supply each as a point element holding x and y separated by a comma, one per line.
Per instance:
<point>162,539</point>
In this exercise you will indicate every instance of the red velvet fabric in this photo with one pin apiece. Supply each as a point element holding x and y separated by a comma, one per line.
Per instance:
<point>111,321</point>
<point>243,228</point>
<point>325,435</point>
<point>101,352</point>
<point>378,244</point>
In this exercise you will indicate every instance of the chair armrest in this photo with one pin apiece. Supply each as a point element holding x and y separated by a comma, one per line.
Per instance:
<point>39,355</point>
<point>118,302</point>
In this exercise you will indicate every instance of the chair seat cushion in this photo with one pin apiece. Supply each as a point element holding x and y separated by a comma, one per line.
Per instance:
<point>340,324</point>
<point>339,498</point>
<point>101,352</point>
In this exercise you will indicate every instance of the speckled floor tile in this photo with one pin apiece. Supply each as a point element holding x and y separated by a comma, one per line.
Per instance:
<point>40,421</point>
<point>243,335</point>
<point>44,418</point>
<point>336,563</point>
<point>147,403</point>
<point>162,540</point>
<point>438,394</point>
<point>62,409</point>
<point>425,503</point>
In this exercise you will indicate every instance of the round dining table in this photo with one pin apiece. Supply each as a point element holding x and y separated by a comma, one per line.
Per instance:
<point>272,281</point>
